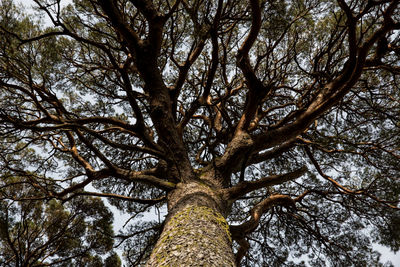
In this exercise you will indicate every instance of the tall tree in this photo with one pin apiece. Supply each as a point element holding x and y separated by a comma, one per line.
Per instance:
<point>269,129</point>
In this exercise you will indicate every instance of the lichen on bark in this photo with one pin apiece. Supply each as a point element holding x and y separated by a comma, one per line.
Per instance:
<point>194,236</point>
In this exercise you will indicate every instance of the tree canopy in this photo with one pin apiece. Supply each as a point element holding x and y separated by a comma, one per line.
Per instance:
<point>292,107</point>
<point>51,233</point>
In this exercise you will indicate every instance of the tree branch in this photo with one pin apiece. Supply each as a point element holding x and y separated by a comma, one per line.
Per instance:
<point>344,189</point>
<point>240,231</point>
<point>257,90</point>
<point>116,196</point>
<point>134,176</point>
<point>245,187</point>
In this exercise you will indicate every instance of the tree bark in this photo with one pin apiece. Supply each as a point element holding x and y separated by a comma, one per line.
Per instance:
<point>196,232</point>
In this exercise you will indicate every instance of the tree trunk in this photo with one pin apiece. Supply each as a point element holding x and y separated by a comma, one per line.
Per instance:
<point>195,233</point>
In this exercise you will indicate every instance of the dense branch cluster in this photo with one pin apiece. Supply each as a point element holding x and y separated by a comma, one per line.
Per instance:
<point>292,107</point>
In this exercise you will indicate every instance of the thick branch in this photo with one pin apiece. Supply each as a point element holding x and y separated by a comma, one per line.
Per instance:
<point>116,18</point>
<point>286,146</point>
<point>240,231</point>
<point>134,176</point>
<point>245,187</point>
<point>255,27</point>
<point>257,90</point>
<point>161,104</point>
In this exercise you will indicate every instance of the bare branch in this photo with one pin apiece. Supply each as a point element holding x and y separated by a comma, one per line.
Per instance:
<point>116,196</point>
<point>240,231</point>
<point>245,187</point>
<point>344,189</point>
<point>134,176</point>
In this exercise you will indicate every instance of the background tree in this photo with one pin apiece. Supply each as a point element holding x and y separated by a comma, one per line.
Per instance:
<point>269,127</point>
<point>40,232</point>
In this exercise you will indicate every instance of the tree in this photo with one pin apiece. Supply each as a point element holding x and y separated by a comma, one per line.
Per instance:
<point>47,233</point>
<point>269,129</point>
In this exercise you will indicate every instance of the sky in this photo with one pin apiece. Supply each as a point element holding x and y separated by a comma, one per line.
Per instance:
<point>120,218</point>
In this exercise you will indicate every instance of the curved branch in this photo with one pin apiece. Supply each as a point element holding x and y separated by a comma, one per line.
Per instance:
<point>135,176</point>
<point>255,27</point>
<point>117,196</point>
<point>344,189</point>
<point>211,73</point>
<point>286,146</point>
<point>245,187</point>
<point>257,90</point>
<point>116,18</point>
<point>240,231</point>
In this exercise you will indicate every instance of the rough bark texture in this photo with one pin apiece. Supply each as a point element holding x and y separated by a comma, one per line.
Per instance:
<point>195,233</point>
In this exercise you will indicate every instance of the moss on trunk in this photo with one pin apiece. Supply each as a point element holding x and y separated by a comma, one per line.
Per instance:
<point>195,235</point>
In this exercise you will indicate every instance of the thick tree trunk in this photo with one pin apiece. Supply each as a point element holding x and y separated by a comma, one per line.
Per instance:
<point>196,233</point>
